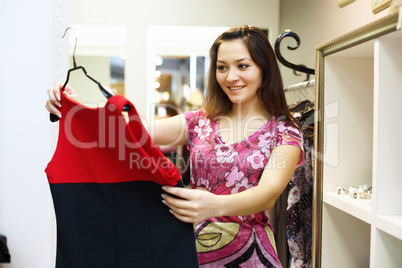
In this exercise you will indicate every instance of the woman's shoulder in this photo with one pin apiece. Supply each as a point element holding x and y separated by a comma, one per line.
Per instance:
<point>282,124</point>
<point>193,117</point>
<point>283,127</point>
<point>195,113</point>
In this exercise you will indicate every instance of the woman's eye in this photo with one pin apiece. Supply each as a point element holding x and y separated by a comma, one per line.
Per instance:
<point>243,66</point>
<point>221,68</point>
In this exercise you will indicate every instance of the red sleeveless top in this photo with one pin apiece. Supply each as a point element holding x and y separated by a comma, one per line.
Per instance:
<point>97,145</point>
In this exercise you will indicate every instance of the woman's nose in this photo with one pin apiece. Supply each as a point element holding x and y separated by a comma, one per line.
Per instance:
<point>232,75</point>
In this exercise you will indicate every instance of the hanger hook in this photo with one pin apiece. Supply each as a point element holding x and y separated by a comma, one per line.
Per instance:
<point>300,68</point>
<point>75,45</point>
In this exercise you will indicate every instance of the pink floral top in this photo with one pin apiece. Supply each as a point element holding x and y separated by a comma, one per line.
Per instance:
<point>231,168</point>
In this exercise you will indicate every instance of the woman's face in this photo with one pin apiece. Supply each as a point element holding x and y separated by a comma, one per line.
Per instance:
<point>236,73</point>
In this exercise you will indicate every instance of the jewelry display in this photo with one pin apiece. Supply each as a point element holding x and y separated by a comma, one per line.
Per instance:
<point>356,192</point>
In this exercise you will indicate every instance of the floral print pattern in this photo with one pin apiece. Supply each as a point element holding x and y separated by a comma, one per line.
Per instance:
<point>221,168</point>
<point>256,159</point>
<point>225,153</point>
<point>203,128</point>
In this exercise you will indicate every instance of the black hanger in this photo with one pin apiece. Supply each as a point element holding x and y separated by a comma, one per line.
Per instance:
<point>307,117</point>
<point>299,106</point>
<point>105,92</point>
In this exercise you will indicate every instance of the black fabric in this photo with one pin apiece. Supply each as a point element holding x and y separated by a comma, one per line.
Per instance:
<point>119,225</point>
<point>4,253</point>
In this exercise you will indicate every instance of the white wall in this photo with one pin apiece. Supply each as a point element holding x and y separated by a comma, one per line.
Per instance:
<point>26,71</point>
<point>317,22</point>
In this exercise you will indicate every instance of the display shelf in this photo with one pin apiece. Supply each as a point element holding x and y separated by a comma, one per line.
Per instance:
<point>359,208</point>
<point>358,141</point>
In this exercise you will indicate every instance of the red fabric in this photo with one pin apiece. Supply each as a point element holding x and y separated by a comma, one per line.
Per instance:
<point>97,145</point>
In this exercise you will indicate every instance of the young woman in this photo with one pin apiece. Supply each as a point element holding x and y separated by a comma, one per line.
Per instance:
<point>244,147</point>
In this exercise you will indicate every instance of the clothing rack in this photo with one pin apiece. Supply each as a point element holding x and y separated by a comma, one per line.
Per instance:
<point>299,92</point>
<point>294,242</point>
<point>300,86</point>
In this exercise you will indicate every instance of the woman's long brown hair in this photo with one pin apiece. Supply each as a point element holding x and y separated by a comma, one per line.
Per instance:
<point>271,93</point>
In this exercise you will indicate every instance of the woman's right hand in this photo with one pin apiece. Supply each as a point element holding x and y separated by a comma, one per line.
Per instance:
<point>53,103</point>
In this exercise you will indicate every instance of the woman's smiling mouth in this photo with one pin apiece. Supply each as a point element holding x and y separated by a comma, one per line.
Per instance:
<point>236,88</point>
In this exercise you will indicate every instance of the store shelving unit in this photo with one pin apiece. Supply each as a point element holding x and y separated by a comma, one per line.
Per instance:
<point>359,141</point>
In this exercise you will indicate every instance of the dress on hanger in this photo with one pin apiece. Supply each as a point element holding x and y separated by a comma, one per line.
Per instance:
<point>105,179</point>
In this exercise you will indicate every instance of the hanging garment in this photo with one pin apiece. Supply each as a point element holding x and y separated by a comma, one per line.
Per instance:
<point>300,207</point>
<point>105,179</point>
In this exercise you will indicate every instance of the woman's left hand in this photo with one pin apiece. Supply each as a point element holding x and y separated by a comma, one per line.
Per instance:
<point>190,205</point>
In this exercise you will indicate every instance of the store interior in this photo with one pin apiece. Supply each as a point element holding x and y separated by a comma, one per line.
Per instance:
<point>155,53</point>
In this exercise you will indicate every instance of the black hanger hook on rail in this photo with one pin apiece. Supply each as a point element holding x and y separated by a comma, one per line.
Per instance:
<point>298,74</point>
<point>300,68</point>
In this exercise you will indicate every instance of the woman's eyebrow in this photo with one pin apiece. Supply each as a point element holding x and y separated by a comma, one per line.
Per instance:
<point>218,60</point>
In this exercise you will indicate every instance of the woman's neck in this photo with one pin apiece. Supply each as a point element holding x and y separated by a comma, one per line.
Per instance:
<point>242,112</point>
<point>242,121</point>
